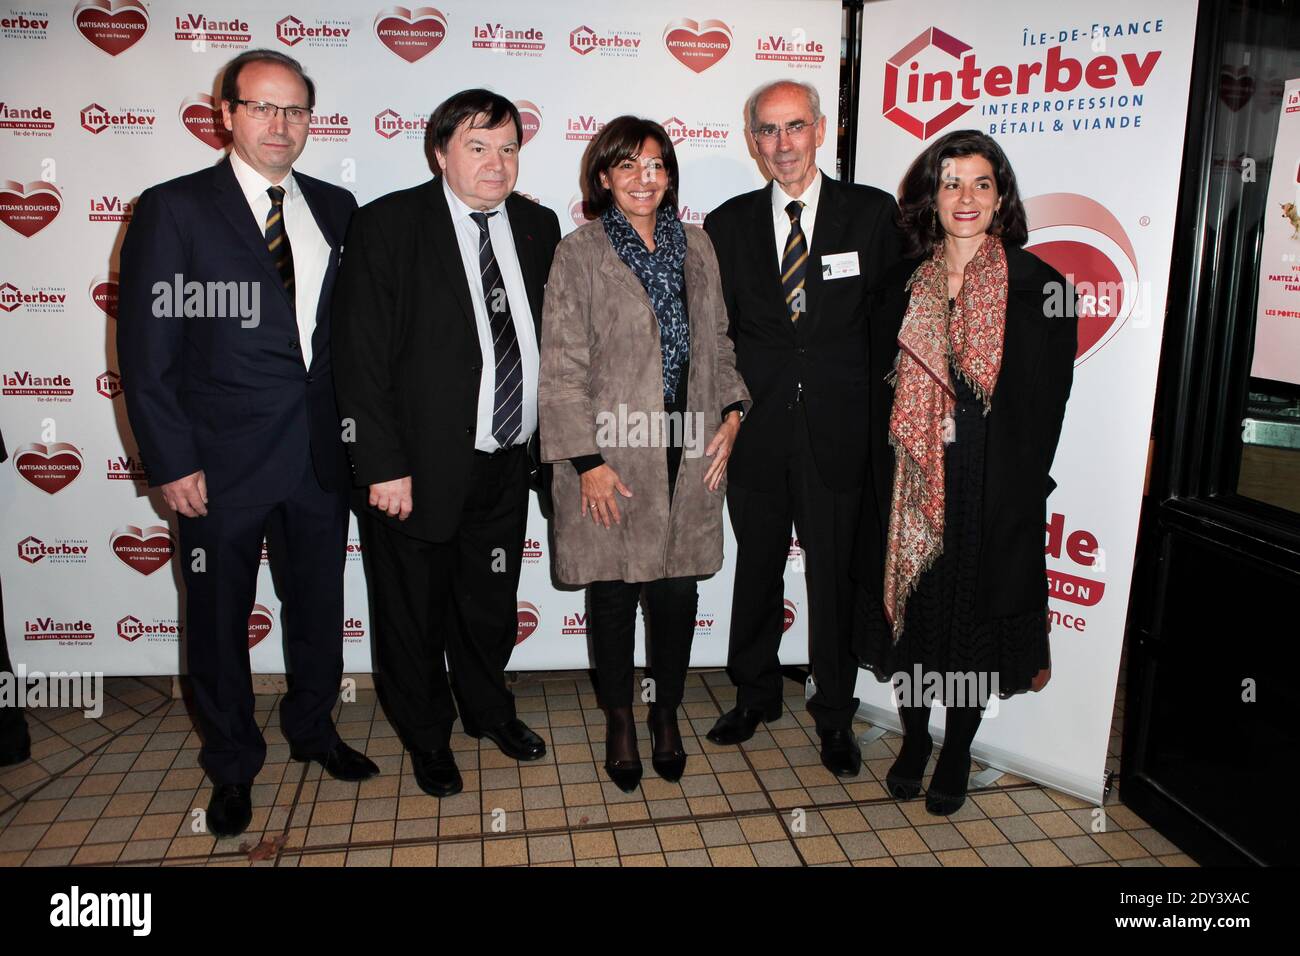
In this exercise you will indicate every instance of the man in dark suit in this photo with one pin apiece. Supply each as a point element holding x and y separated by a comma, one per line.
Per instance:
<point>224,344</point>
<point>437,321</point>
<point>797,260</point>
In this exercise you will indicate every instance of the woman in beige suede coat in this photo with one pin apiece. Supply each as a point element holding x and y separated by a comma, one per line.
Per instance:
<point>639,404</point>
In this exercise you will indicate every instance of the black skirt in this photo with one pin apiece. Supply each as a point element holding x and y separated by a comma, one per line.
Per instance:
<point>941,632</point>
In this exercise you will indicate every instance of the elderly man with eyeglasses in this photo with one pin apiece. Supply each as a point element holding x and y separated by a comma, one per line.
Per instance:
<point>798,259</point>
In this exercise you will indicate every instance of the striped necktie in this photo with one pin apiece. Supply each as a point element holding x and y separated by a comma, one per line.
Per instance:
<point>508,396</point>
<point>277,240</point>
<point>794,262</point>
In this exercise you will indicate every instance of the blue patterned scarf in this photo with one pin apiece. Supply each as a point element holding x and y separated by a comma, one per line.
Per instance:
<point>664,280</point>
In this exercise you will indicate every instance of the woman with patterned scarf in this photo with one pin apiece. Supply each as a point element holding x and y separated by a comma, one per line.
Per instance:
<point>952,590</point>
<point>639,404</point>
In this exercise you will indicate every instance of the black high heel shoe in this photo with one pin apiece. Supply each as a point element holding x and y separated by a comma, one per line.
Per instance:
<point>947,791</point>
<point>669,764</point>
<point>625,772</point>
<point>904,778</point>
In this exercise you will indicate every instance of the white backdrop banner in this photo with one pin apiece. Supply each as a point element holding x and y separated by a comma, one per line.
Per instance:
<point>1089,101</point>
<point>100,100</point>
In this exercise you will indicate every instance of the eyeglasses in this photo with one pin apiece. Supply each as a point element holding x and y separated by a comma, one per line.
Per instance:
<point>772,131</point>
<point>297,115</point>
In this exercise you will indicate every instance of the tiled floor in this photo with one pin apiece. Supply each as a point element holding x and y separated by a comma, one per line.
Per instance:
<point>122,790</point>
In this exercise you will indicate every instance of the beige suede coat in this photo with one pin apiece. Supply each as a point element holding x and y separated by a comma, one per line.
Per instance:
<point>601,390</point>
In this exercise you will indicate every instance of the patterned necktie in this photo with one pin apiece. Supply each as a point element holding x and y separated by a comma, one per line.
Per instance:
<point>277,240</point>
<point>508,397</point>
<point>794,262</point>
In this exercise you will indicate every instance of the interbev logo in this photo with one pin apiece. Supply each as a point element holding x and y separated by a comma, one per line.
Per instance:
<point>96,119</point>
<point>696,134</point>
<point>320,33</point>
<point>925,100</point>
<point>584,40</point>
<point>389,123</point>
<point>34,299</point>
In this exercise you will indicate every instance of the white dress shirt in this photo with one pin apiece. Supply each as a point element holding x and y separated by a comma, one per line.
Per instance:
<point>503,248</point>
<point>807,218</point>
<point>311,253</point>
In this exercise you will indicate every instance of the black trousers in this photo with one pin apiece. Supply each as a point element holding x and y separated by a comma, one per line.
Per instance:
<point>825,521</point>
<point>306,537</point>
<point>458,597</point>
<point>13,727</point>
<point>670,606</point>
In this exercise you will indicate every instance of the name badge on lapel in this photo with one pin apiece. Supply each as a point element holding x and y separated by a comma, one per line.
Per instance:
<point>840,265</point>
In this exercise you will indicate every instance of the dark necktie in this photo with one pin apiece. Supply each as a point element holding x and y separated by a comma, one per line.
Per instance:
<point>277,240</point>
<point>794,262</point>
<point>508,396</point>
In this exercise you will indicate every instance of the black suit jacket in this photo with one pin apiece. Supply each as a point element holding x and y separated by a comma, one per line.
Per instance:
<point>225,395</point>
<point>826,349</point>
<point>407,346</point>
<point>1024,425</point>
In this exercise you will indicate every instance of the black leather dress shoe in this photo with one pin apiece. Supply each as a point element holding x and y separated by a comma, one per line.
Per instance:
<point>436,772</point>
<point>342,762</point>
<point>840,752</point>
<point>513,737</point>
<point>738,724</point>
<point>230,810</point>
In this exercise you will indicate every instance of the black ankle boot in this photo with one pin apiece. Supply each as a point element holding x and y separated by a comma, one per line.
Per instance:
<point>667,755</point>
<point>620,737</point>
<point>904,778</point>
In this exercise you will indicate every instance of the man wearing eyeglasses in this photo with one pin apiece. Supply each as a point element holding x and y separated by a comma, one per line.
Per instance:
<point>797,259</point>
<point>231,400</point>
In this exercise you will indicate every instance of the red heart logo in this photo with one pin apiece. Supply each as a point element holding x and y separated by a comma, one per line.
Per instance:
<point>528,618</point>
<point>29,209</point>
<point>578,211</point>
<point>142,549</point>
<point>697,46</point>
<point>411,34</point>
<point>113,27</point>
<point>50,468</point>
<point>202,117</point>
<point>1087,265</point>
<point>1083,240</point>
<point>260,623</point>
<point>530,116</point>
<point>103,292</point>
<point>1236,87</point>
